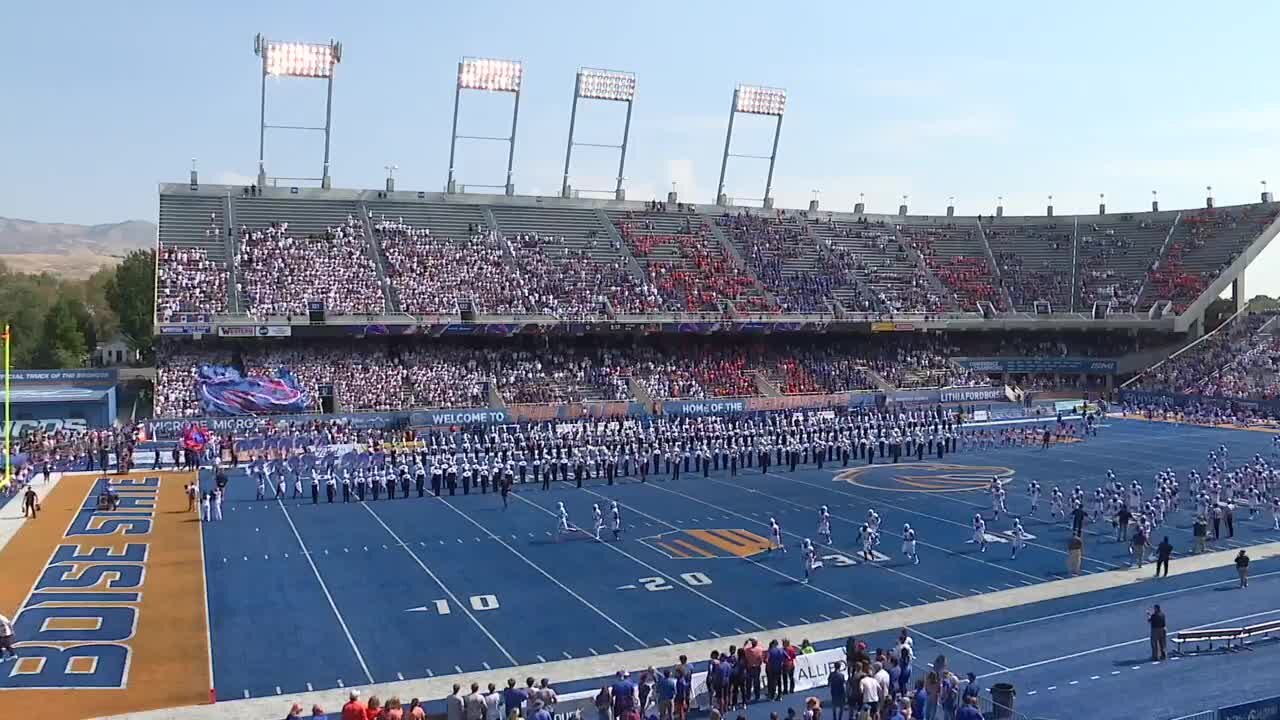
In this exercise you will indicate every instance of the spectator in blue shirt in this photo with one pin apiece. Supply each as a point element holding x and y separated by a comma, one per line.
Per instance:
<point>972,689</point>
<point>665,689</point>
<point>540,712</point>
<point>969,710</point>
<point>514,698</point>
<point>624,694</point>
<point>836,681</point>
<point>774,662</point>
<point>918,700</point>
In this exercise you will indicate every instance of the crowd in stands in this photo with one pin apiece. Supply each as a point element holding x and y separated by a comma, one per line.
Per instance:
<point>1099,279</point>
<point>969,275</point>
<point>688,266</point>
<point>1239,360</point>
<point>773,247</point>
<point>189,283</point>
<point>525,273</point>
<point>1030,272</point>
<point>430,275</point>
<point>279,272</point>
<point>391,375</point>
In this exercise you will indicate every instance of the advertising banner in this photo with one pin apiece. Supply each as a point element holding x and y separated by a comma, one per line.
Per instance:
<point>468,416</point>
<point>1065,365</point>
<point>171,428</point>
<point>704,407</point>
<point>1268,709</point>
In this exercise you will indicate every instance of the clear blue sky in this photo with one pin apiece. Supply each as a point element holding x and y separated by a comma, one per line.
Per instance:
<point>101,101</point>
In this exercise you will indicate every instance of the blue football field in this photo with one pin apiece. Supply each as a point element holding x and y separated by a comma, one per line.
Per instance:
<point>305,596</point>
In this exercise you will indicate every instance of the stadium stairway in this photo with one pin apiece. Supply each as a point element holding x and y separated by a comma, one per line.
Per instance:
<point>234,303</point>
<point>766,388</point>
<point>848,298</point>
<point>995,267</point>
<point>633,266</point>
<point>639,392</point>
<point>935,284</point>
<point>374,249</point>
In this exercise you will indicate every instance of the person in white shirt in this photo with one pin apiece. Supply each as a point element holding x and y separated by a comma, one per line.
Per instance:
<point>870,688</point>
<point>6,640</point>
<point>882,679</point>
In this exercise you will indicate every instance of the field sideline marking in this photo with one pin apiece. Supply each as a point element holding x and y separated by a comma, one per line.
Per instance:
<point>545,574</point>
<point>461,606</point>
<point>332,605</point>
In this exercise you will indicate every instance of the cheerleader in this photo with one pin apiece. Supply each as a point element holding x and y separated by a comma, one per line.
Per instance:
<point>597,520</point>
<point>824,525</point>
<point>262,483</point>
<point>1033,490</point>
<point>1018,535</point>
<point>562,525</point>
<point>617,520</point>
<point>811,561</point>
<point>297,486</point>
<point>775,533</point>
<point>980,531</point>
<point>280,488</point>
<point>909,544</point>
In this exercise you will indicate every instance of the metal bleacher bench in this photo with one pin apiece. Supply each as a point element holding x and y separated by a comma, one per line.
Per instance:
<point>1232,638</point>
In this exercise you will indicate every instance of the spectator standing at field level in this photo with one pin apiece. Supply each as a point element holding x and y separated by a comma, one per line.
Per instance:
<point>1156,620</point>
<point>836,681</point>
<point>29,502</point>
<point>353,710</point>
<point>1242,567</point>
<point>969,711</point>
<point>454,707</point>
<point>1075,555</point>
<point>473,704</point>
<point>1164,551</point>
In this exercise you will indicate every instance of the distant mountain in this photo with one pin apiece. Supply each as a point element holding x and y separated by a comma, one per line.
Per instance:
<point>70,250</point>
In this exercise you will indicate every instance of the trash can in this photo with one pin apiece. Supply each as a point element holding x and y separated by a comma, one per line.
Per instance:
<point>1002,695</point>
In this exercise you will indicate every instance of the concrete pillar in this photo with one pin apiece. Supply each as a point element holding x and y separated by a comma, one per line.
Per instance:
<point>951,211</point>
<point>859,208</point>
<point>813,206</point>
<point>1238,292</point>
<point>1208,201</point>
<point>672,198</point>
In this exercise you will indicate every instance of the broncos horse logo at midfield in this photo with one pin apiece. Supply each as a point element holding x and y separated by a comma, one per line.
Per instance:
<point>926,477</point>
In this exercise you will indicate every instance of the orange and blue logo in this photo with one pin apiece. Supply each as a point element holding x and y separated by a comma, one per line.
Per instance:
<point>708,544</point>
<point>926,477</point>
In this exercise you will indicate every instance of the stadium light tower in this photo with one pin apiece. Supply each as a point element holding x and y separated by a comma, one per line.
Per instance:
<point>298,60</point>
<point>493,76</point>
<point>754,100</point>
<point>597,84</point>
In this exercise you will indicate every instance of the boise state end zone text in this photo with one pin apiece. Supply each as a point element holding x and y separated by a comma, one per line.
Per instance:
<point>76,625</point>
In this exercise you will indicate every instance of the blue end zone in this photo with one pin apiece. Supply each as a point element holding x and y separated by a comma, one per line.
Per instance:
<point>309,597</point>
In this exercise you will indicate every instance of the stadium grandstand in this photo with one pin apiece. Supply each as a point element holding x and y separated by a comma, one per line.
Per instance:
<point>537,457</point>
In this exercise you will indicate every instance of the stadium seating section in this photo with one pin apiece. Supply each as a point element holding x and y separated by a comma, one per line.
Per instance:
<point>272,255</point>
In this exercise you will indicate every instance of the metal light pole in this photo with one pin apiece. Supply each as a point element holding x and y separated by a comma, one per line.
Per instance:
<point>754,100</point>
<point>297,60</point>
<point>596,84</point>
<point>494,76</point>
